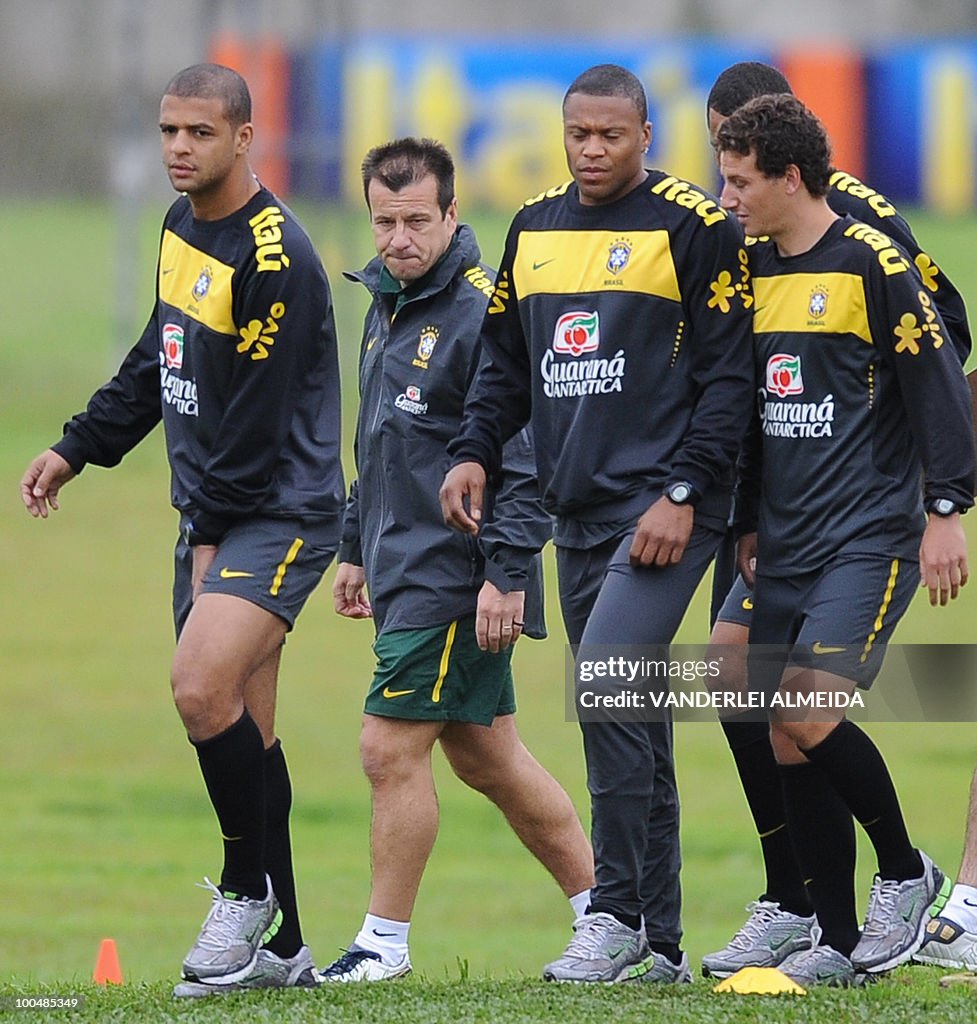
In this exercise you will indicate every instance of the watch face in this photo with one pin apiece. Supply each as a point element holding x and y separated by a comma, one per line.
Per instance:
<point>944,507</point>
<point>679,493</point>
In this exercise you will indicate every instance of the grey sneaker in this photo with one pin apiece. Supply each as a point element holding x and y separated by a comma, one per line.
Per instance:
<point>227,946</point>
<point>948,944</point>
<point>819,965</point>
<point>658,969</point>
<point>269,971</point>
<point>769,936</point>
<point>600,950</point>
<point>358,964</point>
<point>895,922</point>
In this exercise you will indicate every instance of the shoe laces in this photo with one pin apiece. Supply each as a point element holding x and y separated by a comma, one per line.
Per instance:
<point>590,933</point>
<point>220,927</point>
<point>762,912</point>
<point>881,906</point>
<point>349,961</point>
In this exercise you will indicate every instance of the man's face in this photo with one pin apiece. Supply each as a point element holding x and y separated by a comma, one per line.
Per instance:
<point>199,144</point>
<point>605,142</point>
<point>409,230</point>
<point>757,201</point>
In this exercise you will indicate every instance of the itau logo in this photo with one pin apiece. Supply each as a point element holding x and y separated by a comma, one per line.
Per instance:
<point>784,375</point>
<point>577,333</point>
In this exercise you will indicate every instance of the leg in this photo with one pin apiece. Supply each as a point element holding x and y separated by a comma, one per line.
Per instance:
<point>225,642</point>
<point>396,757</point>
<point>630,776</point>
<point>629,764</point>
<point>749,743</point>
<point>494,761</point>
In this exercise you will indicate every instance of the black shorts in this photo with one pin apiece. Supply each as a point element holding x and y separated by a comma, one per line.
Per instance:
<point>838,619</point>
<point>273,563</point>
<point>738,606</point>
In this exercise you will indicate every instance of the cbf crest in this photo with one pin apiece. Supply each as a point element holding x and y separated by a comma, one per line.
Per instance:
<point>425,346</point>
<point>202,284</point>
<point>817,304</point>
<point>619,255</point>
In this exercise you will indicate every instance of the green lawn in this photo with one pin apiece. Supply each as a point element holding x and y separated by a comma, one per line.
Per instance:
<point>106,825</point>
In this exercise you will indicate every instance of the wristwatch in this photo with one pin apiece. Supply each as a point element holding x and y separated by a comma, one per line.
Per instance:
<point>680,493</point>
<point>943,506</point>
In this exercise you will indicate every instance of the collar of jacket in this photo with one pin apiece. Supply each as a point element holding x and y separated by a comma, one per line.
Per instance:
<point>462,253</point>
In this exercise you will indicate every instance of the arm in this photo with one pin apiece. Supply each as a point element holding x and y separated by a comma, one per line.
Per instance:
<point>936,399</point>
<point>499,401</point>
<point>121,413</point>
<point>510,542</point>
<point>718,301</point>
<point>518,528</point>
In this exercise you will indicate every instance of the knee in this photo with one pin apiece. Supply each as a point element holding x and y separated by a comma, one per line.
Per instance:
<point>200,713</point>
<point>480,777</point>
<point>383,759</point>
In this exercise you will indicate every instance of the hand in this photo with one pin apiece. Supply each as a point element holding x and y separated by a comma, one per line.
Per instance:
<point>498,617</point>
<point>203,557</point>
<point>40,484</point>
<point>943,558</point>
<point>348,598</point>
<point>746,548</point>
<point>466,480</point>
<point>662,534</point>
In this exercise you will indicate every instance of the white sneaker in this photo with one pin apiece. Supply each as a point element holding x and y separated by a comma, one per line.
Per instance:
<point>948,944</point>
<point>601,950</point>
<point>269,971</point>
<point>897,915</point>
<point>364,965</point>
<point>227,946</point>
<point>768,937</point>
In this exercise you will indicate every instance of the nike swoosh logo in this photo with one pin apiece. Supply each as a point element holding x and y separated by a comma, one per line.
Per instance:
<point>371,343</point>
<point>970,903</point>
<point>776,944</point>
<point>542,263</point>
<point>388,693</point>
<point>383,935</point>
<point>819,648</point>
<point>907,915</point>
<point>747,605</point>
<point>234,574</point>
<point>168,271</point>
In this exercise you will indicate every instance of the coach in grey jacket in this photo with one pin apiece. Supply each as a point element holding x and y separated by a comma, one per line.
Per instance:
<point>447,609</point>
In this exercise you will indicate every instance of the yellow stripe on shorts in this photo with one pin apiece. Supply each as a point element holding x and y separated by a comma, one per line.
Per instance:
<point>883,608</point>
<point>293,551</point>
<point>443,667</point>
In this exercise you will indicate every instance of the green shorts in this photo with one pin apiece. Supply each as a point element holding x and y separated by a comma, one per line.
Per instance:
<point>440,674</point>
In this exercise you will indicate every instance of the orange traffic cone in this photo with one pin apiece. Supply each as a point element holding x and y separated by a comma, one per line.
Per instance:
<point>107,970</point>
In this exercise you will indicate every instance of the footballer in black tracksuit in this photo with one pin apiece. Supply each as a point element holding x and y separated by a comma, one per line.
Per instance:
<point>239,361</point>
<point>621,332</point>
<point>860,396</point>
<point>732,601</point>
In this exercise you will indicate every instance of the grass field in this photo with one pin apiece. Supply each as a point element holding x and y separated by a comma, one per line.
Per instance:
<point>105,822</point>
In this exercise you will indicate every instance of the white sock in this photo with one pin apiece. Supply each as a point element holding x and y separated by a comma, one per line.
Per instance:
<point>961,907</point>
<point>580,903</point>
<point>383,936</point>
